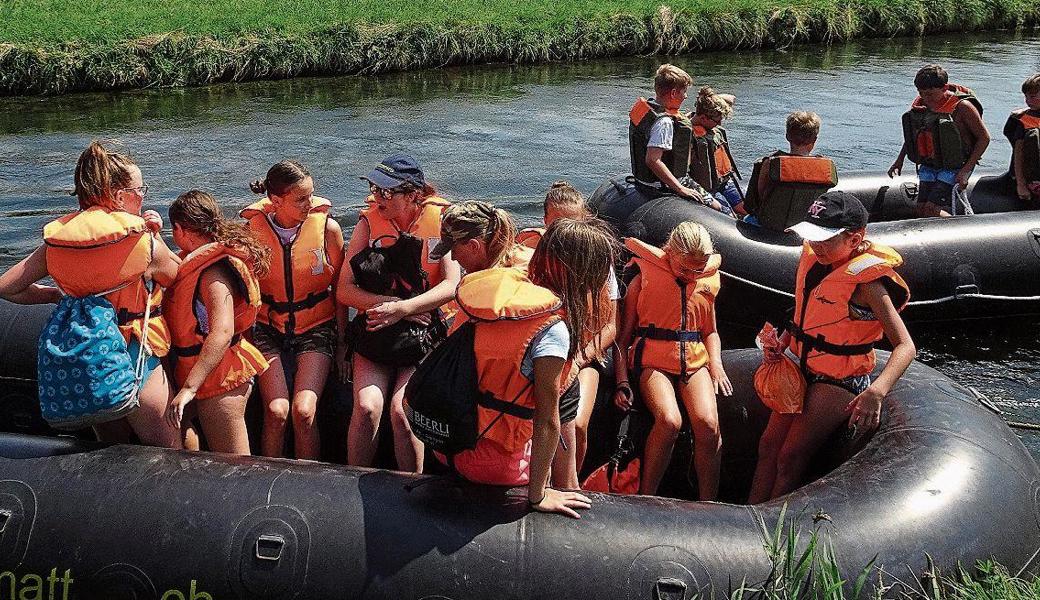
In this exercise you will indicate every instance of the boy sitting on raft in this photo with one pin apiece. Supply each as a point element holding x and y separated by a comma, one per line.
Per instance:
<point>784,184</point>
<point>711,163</point>
<point>944,135</point>
<point>660,138</point>
<point>1023,131</point>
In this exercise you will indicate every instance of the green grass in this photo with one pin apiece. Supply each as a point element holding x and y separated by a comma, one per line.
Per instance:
<point>57,46</point>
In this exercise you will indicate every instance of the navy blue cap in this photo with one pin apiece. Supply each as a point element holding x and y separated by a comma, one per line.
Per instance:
<point>395,171</point>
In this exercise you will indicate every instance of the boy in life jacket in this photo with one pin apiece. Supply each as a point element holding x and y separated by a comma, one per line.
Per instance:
<point>1023,131</point>
<point>784,184</point>
<point>299,318</point>
<point>107,248</point>
<point>667,339</point>
<point>564,201</point>
<point>528,335</point>
<point>403,211</point>
<point>211,304</point>
<point>944,135</point>
<point>847,297</point>
<point>660,137</point>
<point>711,163</point>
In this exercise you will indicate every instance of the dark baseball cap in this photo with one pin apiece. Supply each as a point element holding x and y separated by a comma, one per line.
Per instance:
<point>463,221</point>
<point>397,170</point>
<point>831,214</point>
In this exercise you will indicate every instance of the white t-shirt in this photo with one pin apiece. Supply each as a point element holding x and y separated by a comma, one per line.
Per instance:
<point>555,340</point>
<point>661,134</point>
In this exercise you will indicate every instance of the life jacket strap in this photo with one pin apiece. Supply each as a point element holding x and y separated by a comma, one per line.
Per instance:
<point>310,301</point>
<point>490,402</point>
<point>668,335</point>
<point>818,342</point>
<point>186,351</point>
<point>125,317</point>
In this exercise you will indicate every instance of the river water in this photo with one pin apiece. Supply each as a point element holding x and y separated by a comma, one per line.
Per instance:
<point>505,133</point>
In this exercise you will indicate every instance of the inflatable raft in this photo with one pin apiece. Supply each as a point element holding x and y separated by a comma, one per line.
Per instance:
<point>965,267</point>
<point>943,475</point>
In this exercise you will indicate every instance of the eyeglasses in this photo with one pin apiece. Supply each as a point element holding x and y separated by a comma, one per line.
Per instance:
<point>141,191</point>
<point>387,194</point>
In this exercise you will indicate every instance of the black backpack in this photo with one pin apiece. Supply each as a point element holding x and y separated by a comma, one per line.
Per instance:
<point>441,396</point>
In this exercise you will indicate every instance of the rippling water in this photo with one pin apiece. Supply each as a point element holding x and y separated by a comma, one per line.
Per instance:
<point>505,133</point>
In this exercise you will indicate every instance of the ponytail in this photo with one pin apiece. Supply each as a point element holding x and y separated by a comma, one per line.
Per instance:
<point>198,212</point>
<point>501,237</point>
<point>280,178</point>
<point>100,173</point>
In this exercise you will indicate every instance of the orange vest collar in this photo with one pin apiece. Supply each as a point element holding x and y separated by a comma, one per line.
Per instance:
<point>503,293</point>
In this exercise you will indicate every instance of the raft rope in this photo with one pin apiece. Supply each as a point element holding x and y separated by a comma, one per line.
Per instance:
<point>912,302</point>
<point>983,400</point>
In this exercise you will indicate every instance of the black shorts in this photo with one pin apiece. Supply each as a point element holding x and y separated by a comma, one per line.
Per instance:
<point>320,339</point>
<point>855,385</point>
<point>938,193</point>
<point>569,402</point>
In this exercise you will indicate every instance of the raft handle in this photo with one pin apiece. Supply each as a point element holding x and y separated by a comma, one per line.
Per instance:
<point>670,588</point>
<point>966,291</point>
<point>5,518</point>
<point>269,547</point>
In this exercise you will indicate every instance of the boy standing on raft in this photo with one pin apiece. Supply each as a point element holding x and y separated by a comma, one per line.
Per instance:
<point>944,135</point>
<point>847,296</point>
<point>1023,131</point>
<point>660,137</point>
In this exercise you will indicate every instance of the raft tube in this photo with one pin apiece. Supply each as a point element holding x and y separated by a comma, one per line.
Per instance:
<point>964,267</point>
<point>942,476</point>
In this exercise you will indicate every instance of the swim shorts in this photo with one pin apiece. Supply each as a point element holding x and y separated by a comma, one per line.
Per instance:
<point>855,384</point>
<point>271,342</point>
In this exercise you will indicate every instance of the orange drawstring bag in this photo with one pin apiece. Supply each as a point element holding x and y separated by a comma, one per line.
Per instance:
<point>779,384</point>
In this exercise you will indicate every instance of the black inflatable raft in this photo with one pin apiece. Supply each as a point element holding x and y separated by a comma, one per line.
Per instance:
<point>942,475</point>
<point>967,267</point>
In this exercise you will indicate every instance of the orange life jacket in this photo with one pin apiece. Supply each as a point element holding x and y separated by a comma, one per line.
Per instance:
<point>296,293</point>
<point>710,159</point>
<point>673,317</point>
<point>509,312</point>
<point>824,334</point>
<point>101,252</point>
<point>530,236</point>
<point>1030,121</point>
<point>932,137</point>
<point>427,227</point>
<point>242,360</point>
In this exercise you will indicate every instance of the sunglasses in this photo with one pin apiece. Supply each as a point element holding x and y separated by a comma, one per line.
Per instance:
<point>141,191</point>
<point>387,194</point>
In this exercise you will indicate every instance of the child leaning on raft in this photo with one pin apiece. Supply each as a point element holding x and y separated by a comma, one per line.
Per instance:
<point>847,296</point>
<point>674,350</point>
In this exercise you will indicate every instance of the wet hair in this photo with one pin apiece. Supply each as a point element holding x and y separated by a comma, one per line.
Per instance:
<point>574,259</point>
<point>802,127</point>
<point>689,238</point>
<point>564,197</point>
<point>280,178</point>
<point>1032,84</point>
<point>709,103</point>
<point>198,212</point>
<point>670,77</point>
<point>931,76</point>
<point>100,173</point>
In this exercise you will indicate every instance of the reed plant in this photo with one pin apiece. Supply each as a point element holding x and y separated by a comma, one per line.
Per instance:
<point>59,46</point>
<point>804,567</point>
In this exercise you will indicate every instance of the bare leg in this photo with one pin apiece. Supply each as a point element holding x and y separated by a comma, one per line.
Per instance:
<point>116,432</point>
<point>564,468</point>
<point>823,413</point>
<point>224,420</point>
<point>407,448</point>
<point>312,369</point>
<point>698,395</point>
<point>149,420</point>
<point>371,381</point>
<point>659,396</point>
<point>768,449</point>
<point>274,391</point>
<point>588,386</point>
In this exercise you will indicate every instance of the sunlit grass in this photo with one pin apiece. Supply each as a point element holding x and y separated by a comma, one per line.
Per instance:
<point>56,46</point>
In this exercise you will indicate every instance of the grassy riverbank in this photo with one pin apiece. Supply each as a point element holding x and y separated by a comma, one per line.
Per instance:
<point>58,46</point>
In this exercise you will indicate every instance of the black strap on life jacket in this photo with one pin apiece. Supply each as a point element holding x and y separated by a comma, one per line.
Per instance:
<point>125,317</point>
<point>185,351</point>
<point>310,301</point>
<point>668,335</point>
<point>490,402</point>
<point>819,343</point>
